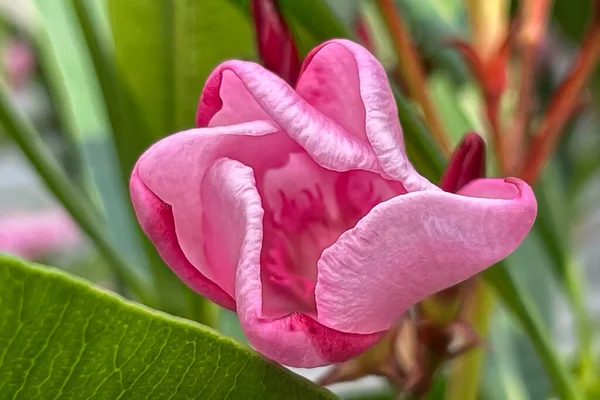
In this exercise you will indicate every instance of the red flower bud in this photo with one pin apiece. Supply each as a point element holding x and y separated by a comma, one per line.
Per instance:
<point>276,46</point>
<point>467,163</point>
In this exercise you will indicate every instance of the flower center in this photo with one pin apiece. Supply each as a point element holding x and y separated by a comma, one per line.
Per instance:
<point>301,227</point>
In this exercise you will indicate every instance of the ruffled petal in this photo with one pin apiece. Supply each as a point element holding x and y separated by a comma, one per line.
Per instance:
<point>295,340</point>
<point>414,245</point>
<point>173,170</point>
<point>156,219</point>
<point>238,92</point>
<point>345,82</point>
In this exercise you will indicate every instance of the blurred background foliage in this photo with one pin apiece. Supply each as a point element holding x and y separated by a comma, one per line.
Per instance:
<point>88,85</point>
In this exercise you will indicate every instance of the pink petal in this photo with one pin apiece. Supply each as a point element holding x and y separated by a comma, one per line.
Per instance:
<point>173,170</point>
<point>203,213</point>
<point>157,221</point>
<point>240,91</point>
<point>417,244</point>
<point>295,340</point>
<point>345,82</point>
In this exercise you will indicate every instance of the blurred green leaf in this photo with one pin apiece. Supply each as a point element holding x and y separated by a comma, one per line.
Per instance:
<point>62,338</point>
<point>315,17</point>
<point>572,16</point>
<point>444,93</point>
<point>583,153</point>
<point>553,221</point>
<point>75,202</point>
<point>166,49</point>
<point>431,24</point>
<point>422,151</point>
<point>76,96</point>
<point>63,53</point>
<point>132,135</point>
<point>503,376</point>
<point>553,224</point>
<point>530,321</point>
<point>346,11</point>
<point>542,291</point>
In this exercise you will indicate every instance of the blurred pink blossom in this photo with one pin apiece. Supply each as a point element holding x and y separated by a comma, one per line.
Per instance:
<point>17,63</point>
<point>35,235</point>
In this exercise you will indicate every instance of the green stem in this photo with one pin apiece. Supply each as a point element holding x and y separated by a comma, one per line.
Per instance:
<point>575,291</point>
<point>463,382</point>
<point>75,202</point>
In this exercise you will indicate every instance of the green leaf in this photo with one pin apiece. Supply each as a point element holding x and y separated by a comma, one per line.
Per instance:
<point>133,133</point>
<point>315,16</point>
<point>540,287</point>
<point>444,93</point>
<point>75,94</point>
<point>63,53</point>
<point>530,321</point>
<point>431,23</point>
<point>166,49</point>
<point>504,376</point>
<point>62,338</point>
<point>311,22</point>
<point>422,151</point>
<point>74,201</point>
<point>572,16</point>
<point>553,223</point>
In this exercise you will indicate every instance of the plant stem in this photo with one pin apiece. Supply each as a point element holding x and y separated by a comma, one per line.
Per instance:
<point>412,71</point>
<point>75,202</point>
<point>492,111</point>
<point>463,383</point>
<point>533,19</point>
<point>563,102</point>
<point>488,21</point>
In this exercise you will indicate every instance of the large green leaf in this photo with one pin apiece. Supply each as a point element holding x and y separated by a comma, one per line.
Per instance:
<point>75,94</point>
<point>62,338</point>
<point>165,50</point>
<point>133,128</point>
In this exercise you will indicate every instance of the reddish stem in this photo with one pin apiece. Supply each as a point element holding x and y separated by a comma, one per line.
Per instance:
<point>412,71</point>
<point>533,19</point>
<point>563,102</point>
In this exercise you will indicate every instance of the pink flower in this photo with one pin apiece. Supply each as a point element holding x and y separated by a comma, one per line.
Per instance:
<point>299,209</point>
<point>18,62</point>
<point>35,235</point>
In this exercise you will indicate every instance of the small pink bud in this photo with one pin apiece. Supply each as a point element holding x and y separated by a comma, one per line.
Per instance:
<point>467,163</point>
